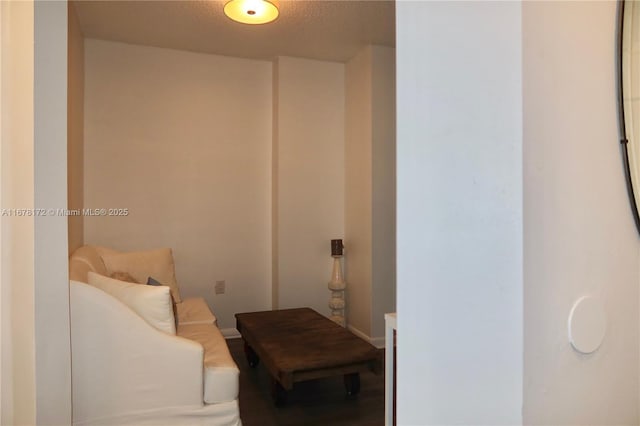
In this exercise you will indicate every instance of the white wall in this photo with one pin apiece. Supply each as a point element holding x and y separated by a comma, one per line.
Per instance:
<point>36,362</point>
<point>51,291</point>
<point>459,174</point>
<point>308,178</point>
<point>75,126</point>
<point>579,233</point>
<point>577,237</point>
<point>370,190</point>
<point>183,140</point>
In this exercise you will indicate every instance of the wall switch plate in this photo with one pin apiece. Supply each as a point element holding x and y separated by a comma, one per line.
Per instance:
<point>220,287</point>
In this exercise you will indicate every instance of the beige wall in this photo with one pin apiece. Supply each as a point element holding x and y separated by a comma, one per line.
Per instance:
<point>383,203</point>
<point>309,178</point>
<point>183,140</point>
<point>239,166</point>
<point>370,190</point>
<point>75,126</point>
<point>358,190</point>
<point>5,333</point>
<point>18,325</point>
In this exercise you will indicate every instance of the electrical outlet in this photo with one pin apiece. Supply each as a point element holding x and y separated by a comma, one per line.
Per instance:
<point>220,287</point>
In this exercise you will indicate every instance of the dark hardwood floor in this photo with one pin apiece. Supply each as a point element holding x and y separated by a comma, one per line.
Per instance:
<point>320,402</point>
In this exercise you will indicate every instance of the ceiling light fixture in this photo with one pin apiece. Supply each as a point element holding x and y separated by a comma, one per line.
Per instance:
<point>252,11</point>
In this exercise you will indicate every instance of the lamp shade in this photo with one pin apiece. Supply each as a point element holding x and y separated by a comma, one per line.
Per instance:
<point>252,11</point>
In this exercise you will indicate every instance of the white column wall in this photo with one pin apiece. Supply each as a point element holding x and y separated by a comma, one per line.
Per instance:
<point>459,94</point>
<point>51,292</point>
<point>75,127</point>
<point>36,379</point>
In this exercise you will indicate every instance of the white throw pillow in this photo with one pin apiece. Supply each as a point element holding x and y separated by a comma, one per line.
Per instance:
<point>144,264</point>
<point>152,303</point>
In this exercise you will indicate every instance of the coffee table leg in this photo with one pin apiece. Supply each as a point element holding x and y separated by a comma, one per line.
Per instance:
<point>278,393</point>
<point>352,383</point>
<point>252,357</point>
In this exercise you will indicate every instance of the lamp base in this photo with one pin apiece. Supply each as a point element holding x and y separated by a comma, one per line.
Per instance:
<point>337,286</point>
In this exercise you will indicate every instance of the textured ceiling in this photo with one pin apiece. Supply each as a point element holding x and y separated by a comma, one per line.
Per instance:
<point>317,29</point>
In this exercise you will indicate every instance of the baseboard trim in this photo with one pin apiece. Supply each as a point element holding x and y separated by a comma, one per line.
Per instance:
<point>230,333</point>
<point>378,342</point>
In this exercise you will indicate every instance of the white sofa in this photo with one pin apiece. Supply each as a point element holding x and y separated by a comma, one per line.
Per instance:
<point>126,372</point>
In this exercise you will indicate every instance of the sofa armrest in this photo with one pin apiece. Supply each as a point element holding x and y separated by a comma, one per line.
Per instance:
<point>121,364</point>
<point>194,310</point>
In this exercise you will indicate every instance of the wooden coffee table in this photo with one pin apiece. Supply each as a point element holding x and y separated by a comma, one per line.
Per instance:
<point>300,344</point>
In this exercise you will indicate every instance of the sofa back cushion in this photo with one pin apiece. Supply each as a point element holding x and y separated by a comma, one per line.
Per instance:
<point>152,303</point>
<point>144,264</point>
<point>83,260</point>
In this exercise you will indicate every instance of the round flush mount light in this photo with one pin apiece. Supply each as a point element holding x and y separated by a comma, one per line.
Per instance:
<point>252,11</point>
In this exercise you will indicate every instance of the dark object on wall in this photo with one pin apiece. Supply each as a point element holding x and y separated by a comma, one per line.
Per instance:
<point>336,247</point>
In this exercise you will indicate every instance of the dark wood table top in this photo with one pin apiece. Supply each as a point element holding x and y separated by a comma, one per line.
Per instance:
<point>294,341</point>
